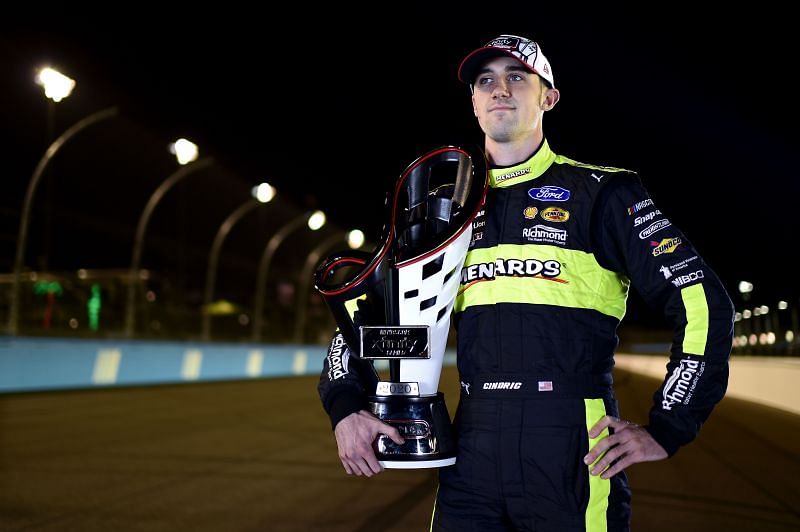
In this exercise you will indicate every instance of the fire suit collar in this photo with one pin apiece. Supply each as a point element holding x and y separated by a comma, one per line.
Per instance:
<point>532,168</point>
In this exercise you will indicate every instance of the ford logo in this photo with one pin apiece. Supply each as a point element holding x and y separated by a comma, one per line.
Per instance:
<point>549,193</point>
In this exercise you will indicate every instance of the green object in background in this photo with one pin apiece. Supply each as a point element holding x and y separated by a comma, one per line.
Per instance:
<point>47,287</point>
<point>93,306</point>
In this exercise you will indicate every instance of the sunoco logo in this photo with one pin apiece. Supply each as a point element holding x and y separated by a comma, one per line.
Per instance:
<point>512,175</point>
<point>510,267</point>
<point>555,214</point>
<point>337,358</point>
<point>681,384</point>
<point>654,227</point>
<point>667,245</point>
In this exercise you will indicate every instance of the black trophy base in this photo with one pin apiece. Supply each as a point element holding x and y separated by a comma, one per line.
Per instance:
<point>424,423</point>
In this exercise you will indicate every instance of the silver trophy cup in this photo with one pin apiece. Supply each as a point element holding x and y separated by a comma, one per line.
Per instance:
<point>395,303</point>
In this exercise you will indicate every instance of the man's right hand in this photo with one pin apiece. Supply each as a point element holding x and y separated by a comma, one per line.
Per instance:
<point>354,436</point>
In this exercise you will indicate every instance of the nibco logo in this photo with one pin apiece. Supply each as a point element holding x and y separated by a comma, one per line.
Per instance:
<point>549,193</point>
<point>412,429</point>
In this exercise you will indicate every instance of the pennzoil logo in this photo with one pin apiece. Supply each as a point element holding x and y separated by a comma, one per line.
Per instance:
<point>530,212</point>
<point>484,271</point>
<point>668,245</point>
<point>555,214</point>
<point>511,175</point>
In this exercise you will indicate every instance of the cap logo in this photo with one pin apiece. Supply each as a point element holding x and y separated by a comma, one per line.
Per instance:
<point>503,42</point>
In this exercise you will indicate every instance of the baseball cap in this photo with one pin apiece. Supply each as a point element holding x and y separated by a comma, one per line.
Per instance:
<point>524,50</point>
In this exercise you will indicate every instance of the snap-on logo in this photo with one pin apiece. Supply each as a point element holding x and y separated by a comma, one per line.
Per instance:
<point>639,220</point>
<point>549,193</point>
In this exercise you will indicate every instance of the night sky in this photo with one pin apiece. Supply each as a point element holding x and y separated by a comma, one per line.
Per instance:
<point>330,110</point>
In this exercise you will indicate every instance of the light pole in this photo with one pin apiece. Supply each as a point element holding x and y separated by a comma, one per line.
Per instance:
<point>355,239</point>
<point>314,221</point>
<point>141,228</point>
<point>56,87</point>
<point>263,194</point>
<point>13,315</point>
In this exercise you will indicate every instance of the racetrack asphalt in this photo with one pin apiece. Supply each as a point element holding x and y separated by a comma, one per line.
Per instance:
<point>260,456</point>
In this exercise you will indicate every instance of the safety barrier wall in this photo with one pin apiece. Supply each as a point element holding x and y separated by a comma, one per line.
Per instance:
<point>31,364</point>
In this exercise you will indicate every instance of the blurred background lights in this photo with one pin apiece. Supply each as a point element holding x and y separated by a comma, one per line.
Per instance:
<point>745,287</point>
<point>316,220</point>
<point>184,150</point>
<point>355,239</point>
<point>56,85</point>
<point>264,192</point>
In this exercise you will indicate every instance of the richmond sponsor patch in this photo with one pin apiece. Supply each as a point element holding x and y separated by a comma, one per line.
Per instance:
<point>338,356</point>
<point>681,384</point>
<point>543,233</point>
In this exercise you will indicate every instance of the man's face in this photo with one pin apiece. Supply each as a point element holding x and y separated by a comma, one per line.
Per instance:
<point>507,99</point>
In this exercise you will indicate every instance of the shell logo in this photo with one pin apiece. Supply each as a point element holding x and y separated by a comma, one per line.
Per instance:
<point>530,212</point>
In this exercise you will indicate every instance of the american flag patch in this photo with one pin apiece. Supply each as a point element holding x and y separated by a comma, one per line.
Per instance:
<point>545,386</point>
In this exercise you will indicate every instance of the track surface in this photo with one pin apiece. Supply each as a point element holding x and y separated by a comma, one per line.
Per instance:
<point>260,456</point>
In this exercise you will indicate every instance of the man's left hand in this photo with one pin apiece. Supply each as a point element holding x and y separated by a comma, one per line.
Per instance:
<point>630,444</point>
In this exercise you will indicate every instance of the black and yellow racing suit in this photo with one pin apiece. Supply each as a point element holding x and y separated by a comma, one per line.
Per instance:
<point>544,287</point>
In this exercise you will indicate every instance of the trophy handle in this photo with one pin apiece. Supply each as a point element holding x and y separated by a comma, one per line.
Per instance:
<point>344,304</point>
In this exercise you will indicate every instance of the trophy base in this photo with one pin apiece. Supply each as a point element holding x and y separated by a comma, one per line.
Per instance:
<point>419,464</point>
<point>424,423</point>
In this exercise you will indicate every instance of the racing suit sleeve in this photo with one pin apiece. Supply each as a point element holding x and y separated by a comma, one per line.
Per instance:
<point>345,381</point>
<point>631,236</point>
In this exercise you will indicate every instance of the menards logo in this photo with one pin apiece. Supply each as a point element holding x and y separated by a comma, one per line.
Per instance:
<point>668,245</point>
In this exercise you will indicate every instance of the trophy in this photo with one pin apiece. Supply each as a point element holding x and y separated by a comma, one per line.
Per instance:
<point>394,304</point>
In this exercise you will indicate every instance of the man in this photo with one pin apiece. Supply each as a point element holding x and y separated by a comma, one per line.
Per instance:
<point>544,287</point>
